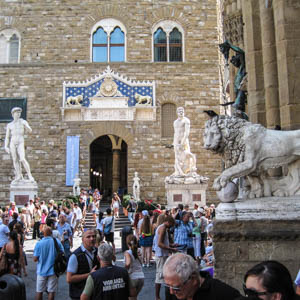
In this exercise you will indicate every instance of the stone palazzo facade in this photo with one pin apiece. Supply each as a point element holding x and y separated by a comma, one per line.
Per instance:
<point>47,47</point>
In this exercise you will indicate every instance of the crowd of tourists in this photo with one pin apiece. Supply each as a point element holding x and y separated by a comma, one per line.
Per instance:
<point>178,242</point>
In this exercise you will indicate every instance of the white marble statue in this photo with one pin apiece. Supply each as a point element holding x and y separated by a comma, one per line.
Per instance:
<point>250,150</point>
<point>136,187</point>
<point>76,185</point>
<point>143,100</point>
<point>14,144</point>
<point>185,160</point>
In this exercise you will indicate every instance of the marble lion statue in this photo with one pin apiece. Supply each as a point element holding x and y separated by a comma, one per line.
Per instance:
<point>145,100</point>
<point>249,150</point>
<point>74,100</point>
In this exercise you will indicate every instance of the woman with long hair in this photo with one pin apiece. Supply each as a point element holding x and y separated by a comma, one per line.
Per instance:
<point>21,237</point>
<point>14,254</point>
<point>146,240</point>
<point>115,205</point>
<point>269,280</point>
<point>133,265</point>
<point>99,223</point>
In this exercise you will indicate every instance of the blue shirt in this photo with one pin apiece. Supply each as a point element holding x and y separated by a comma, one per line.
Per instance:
<point>181,234</point>
<point>64,228</point>
<point>4,231</point>
<point>46,253</point>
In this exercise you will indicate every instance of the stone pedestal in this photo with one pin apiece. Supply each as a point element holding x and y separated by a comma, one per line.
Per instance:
<point>22,191</point>
<point>186,194</point>
<point>248,232</point>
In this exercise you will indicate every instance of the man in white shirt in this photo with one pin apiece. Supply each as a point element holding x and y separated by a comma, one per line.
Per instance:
<point>77,214</point>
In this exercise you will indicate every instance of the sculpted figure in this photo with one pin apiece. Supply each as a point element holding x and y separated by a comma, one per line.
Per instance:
<point>145,100</point>
<point>136,187</point>
<point>185,161</point>
<point>250,150</point>
<point>14,143</point>
<point>76,185</point>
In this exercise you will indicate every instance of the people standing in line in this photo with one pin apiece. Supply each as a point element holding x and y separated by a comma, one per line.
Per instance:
<point>44,254</point>
<point>134,266</point>
<point>82,263</point>
<point>162,249</point>
<point>109,282</point>
<point>115,205</point>
<point>146,241</point>
<point>184,281</point>
<point>4,231</point>
<point>37,221</point>
<point>65,232</point>
<point>109,223</point>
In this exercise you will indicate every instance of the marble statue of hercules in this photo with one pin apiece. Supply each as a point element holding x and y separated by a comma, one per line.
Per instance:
<point>14,143</point>
<point>185,161</point>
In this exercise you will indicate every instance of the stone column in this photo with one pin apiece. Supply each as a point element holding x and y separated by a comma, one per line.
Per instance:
<point>116,169</point>
<point>287,22</point>
<point>269,65</point>
<point>254,63</point>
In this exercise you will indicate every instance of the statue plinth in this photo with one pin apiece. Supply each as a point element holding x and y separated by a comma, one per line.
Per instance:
<point>22,191</point>
<point>186,194</point>
<point>250,231</point>
<point>266,208</point>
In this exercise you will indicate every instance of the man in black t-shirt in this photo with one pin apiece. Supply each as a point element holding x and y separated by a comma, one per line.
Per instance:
<point>184,281</point>
<point>109,282</point>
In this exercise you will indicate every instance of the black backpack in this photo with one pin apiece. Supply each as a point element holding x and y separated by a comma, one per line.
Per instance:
<point>61,262</point>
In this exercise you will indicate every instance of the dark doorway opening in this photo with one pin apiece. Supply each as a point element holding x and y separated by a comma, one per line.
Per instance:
<point>108,165</point>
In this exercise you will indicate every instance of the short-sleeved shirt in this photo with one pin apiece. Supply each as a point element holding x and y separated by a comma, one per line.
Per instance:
<point>4,231</point>
<point>107,221</point>
<point>64,228</point>
<point>73,262</point>
<point>114,283</point>
<point>78,213</point>
<point>46,253</point>
<point>182,234</point>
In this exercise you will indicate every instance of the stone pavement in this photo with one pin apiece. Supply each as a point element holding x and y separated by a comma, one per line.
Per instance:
<point>147,293</point>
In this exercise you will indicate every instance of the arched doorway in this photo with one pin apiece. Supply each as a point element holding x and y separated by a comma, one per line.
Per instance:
<point>108,165</point>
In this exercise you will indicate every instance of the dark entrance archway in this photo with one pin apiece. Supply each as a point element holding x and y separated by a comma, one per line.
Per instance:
<point>108,165</point>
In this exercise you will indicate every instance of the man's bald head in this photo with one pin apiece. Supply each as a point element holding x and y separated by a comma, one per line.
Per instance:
<point>47,231</point>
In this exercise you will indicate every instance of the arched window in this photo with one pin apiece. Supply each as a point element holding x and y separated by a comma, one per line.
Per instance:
<point>117,45</point>
<point>160,45</point>
<point>9,46</point>
<point>175,45</point>
<point>168,116</point>
<point>168,42</point>
<point>108,41</point>
<point>100,45</point>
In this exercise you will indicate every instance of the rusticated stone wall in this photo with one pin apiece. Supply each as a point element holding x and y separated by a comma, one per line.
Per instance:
<point>55,47</point>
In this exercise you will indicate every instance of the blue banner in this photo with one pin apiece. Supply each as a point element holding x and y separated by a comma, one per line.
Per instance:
<point>72,165</point>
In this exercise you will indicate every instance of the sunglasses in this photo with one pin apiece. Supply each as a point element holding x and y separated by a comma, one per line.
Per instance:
<point>177,289</point>
<point>253,293</point>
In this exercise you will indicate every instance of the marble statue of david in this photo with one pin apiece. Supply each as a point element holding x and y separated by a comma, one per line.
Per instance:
<point>14,143</point>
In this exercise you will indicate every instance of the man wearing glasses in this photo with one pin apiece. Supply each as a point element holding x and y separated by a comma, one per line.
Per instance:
<point>182,277</point>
